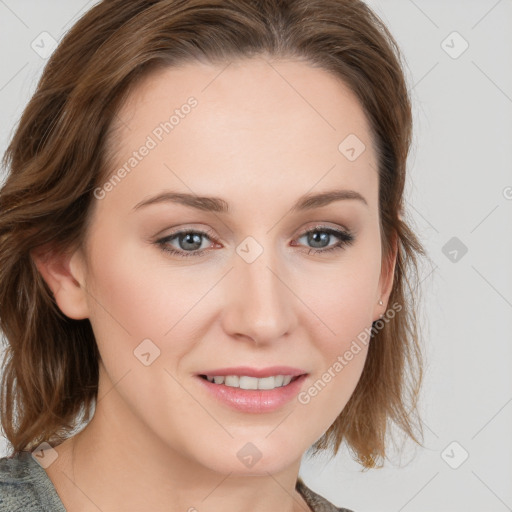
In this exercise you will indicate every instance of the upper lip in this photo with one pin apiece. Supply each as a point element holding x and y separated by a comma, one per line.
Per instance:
<point>255,372</point>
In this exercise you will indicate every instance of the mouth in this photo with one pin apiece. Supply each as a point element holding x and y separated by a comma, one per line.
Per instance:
<point>248,383</point>
<point>248,394</point>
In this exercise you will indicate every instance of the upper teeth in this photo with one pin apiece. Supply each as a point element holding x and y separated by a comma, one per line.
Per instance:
<point>245,382</point>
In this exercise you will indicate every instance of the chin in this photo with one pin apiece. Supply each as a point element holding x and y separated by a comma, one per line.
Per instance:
<point>249,460</point>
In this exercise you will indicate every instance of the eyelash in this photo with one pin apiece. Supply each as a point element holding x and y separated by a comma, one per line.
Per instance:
<point>346,239</point>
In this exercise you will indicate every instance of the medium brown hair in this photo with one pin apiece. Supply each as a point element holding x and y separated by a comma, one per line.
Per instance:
<point>59,155</point>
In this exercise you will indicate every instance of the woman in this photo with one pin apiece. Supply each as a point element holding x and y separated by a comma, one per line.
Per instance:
<point>202,239</point>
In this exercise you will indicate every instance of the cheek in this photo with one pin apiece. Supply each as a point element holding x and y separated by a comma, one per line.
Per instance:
<point>341,337</point>
<point>345,311</point>
<point>142,291</point>
<point>132,299</point>
<point>343,298</point>
<point>342,293</point>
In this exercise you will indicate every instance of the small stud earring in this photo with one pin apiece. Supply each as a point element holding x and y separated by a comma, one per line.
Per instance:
<point>380,303</point>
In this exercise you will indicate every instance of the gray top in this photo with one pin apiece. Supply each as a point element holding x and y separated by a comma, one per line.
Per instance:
<point>25,487</point>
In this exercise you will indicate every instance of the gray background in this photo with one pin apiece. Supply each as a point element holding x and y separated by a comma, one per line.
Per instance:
<point>459,196</point>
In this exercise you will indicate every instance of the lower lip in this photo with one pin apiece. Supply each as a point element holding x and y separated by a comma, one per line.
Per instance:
<point>254,400</point>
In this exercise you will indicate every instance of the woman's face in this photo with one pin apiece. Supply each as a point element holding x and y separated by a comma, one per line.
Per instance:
<point>242,286</point>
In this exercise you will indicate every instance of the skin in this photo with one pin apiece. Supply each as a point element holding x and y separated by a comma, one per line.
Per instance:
<point>158,441</point>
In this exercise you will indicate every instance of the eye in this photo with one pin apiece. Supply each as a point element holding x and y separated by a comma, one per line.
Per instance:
<point>319,237</point>
<point>190,242</point>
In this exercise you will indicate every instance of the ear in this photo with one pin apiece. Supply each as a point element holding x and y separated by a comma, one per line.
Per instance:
<point>64,273</point>
<point>386,279</point>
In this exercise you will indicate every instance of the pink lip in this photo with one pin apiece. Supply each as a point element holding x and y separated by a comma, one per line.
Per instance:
<point>255,372</point>
<point>254,400</point>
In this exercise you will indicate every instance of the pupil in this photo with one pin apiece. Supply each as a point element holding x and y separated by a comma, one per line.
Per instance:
<point>189,239</point>
<point>313,238</point>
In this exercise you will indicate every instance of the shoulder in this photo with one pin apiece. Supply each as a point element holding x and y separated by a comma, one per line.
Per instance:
<point>16,484</point>
<point>24,485</point>
<point>316,502</point>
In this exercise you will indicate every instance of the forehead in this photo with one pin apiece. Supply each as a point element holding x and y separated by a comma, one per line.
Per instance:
<point>249,126</point>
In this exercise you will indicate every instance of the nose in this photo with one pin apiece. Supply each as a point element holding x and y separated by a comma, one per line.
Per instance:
<point>259,303</point>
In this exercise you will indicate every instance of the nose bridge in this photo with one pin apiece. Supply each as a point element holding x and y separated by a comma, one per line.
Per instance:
<point>260,304</point>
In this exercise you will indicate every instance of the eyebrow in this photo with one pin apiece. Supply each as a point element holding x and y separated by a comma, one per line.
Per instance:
<point>218,205</point>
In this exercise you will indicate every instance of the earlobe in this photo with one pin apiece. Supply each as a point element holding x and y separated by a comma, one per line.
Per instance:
<point>63,273</point>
